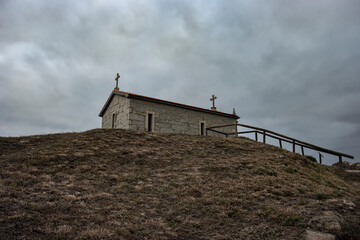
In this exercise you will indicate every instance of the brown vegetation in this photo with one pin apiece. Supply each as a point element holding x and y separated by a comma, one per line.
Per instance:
<point>117,184</point>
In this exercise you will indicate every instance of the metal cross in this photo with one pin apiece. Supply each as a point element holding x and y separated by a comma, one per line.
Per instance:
<point>117,81</point>
<point>213,100</point>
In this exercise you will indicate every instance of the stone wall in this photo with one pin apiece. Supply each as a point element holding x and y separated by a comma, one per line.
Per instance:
<point>171,119</point>
<point>120,106</point>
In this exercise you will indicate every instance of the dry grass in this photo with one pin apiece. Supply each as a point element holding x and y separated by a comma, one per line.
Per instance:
<point>117,184</point>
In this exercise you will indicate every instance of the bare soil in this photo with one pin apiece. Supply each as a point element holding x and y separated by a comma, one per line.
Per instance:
<point>118,184</point>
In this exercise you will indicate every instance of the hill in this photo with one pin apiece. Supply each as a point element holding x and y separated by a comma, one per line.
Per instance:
<point>118,184</point>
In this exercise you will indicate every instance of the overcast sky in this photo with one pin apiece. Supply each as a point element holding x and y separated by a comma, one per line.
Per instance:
<point>288,66</point>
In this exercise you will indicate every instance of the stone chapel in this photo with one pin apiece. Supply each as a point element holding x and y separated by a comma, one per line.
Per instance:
<point>136,112</point>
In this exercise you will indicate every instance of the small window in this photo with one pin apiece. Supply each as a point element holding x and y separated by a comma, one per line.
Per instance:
<point>113,120</point>
<point>202,128</point>
<point>150,122</point>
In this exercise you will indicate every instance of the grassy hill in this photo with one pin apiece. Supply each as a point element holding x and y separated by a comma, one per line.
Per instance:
<point>118,184</point>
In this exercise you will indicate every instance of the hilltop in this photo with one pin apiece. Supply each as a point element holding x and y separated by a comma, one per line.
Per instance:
<point>119,184</point>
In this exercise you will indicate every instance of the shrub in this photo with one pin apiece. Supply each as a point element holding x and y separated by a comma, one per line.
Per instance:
<point>262,171</point>
<point>311,158</point>
<point>350,231</point>
<point>322,196</point>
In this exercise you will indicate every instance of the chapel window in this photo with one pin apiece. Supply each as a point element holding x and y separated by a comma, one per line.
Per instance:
<point>150,122</point>
<point>113,120</point>
<point>202,128</point>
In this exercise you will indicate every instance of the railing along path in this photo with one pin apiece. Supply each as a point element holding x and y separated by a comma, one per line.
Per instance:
<point>282,138</point>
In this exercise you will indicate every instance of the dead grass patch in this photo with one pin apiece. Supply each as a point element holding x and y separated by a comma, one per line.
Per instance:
<point>117,184</point>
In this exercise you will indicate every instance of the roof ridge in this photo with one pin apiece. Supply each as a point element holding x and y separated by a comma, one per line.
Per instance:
<point>138,96</point>
<point>158,99</point>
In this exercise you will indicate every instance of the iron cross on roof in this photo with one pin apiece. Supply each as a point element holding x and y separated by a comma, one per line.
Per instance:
<point>117,81</point>
<point>213,100</point>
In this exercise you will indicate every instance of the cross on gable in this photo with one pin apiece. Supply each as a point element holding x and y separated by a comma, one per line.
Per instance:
<point>213,100</point>
<point>117,81</point>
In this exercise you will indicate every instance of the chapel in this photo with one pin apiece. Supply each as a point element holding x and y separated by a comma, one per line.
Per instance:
<point>136,112</point>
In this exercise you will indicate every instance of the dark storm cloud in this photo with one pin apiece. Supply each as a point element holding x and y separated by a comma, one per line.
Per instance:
<point>289,66</point>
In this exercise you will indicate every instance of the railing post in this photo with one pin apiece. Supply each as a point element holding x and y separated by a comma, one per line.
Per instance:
<point>340,159</point>
<point>320,158</point>
<point>280,143</point>
<point>256,138</point>
<point>264,137</point>
<point>302,150</point>
<point>293,145</point>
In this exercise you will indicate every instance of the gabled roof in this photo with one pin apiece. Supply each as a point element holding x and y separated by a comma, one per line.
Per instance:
<point>150,99</point>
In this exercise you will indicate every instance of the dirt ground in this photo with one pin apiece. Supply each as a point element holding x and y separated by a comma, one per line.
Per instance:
<point>118,184</point>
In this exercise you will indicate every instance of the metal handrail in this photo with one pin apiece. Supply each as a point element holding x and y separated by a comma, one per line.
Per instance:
<point>281,138</point>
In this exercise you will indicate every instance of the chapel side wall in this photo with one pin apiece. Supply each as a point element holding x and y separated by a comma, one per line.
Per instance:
<point>171,119</point>
<point>119,105</point>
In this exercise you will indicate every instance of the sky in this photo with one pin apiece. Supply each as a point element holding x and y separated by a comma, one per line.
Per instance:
<point>288,66</point>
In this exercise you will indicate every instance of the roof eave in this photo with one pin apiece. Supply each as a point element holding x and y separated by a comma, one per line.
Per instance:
<point>135,96</point>
<point>107,103</point>
<point>130,95</point>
